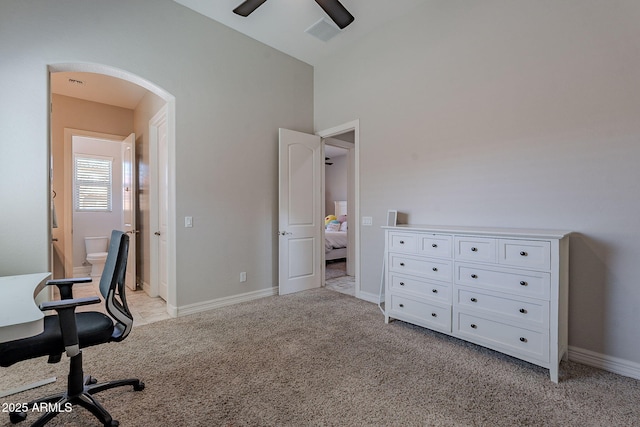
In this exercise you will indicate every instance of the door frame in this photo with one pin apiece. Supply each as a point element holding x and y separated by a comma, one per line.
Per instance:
<point>353,200</point>
<point>67,165</point>
<point>154,199</point>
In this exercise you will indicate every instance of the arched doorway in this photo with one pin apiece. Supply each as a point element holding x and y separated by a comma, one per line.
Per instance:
<point>169,108</point>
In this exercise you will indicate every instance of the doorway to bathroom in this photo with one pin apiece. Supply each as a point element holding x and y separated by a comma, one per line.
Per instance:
<point>99,174</point>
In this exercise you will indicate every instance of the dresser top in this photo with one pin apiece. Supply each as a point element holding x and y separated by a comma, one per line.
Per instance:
<point>482,231</point>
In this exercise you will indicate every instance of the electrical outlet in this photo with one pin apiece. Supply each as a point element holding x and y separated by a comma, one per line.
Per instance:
<point>243,276</point>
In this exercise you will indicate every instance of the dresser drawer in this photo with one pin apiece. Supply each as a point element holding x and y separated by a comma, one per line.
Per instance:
<point>479,249</point>
<point>437,291</point>
<point>501,336</point>
<point>431,268</point>
<point>532,312</point>
<point>422,313</point>
<point>532,284</point>
<point>402,242</point>
<point>525,253</point>
<point>435,245</point>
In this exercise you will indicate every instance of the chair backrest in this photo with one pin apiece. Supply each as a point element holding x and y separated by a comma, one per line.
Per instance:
<point>112,286</point>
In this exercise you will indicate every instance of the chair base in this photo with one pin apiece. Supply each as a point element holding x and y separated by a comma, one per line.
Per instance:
<point>64,401</point>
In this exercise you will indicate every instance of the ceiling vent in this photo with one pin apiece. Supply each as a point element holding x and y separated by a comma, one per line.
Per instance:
<point>323,30</point>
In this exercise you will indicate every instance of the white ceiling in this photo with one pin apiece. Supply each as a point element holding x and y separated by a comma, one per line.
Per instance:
<point>281,23</point>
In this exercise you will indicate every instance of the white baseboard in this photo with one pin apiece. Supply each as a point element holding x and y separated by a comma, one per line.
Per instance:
<point>221,302</point>
<point>369,297</point>
<point>604,362</point>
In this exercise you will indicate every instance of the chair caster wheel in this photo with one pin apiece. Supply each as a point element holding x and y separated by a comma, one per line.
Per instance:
<point>16,417</point>
<point>139,386</point>
<point>113,423</point>
<point>92,381</point>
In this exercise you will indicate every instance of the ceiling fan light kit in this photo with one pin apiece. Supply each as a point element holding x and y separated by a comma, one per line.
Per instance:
<point>336,11</point>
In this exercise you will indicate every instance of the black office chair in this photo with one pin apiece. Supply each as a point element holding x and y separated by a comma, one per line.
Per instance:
<point>69,332</point>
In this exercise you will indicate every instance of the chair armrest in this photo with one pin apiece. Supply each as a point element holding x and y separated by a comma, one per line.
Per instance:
<point>68,303</point>
<point>69,281</point>
<point>65,285</point>
<point>67,320</point>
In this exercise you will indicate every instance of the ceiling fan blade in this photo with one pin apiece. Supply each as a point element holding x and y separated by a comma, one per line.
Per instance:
<point>247,7</point>
<point>337,12</point>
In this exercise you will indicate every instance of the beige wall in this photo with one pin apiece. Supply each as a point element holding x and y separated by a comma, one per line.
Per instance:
<point>506,113</point>
<point>74,113</point>
<point>231,95</point>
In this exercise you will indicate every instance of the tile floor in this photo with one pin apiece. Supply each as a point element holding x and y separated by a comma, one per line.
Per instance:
<point>344,285</point>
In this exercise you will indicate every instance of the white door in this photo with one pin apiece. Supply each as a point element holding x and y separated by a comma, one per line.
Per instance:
<point>129,205</point>
<point>163,204</point>
<point>300,211</point>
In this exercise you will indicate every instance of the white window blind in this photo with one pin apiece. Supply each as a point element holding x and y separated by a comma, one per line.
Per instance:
<point>93,183</point>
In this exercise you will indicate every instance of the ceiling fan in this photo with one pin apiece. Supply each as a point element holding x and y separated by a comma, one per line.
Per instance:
<point>334,9</point>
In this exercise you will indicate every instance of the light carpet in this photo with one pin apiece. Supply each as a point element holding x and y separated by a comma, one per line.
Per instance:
<point>320,358</point>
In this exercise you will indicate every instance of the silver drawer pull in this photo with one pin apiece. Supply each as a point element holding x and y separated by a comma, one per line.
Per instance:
<point>434,269</point>
<point>401,305</point>
<point>401,283</point>
<point>402,264</point>
<point>523,339</point>
<point>435,291</point>
<point>523,253</point>
<point>474,276</point>
<point>434,245</point>
<point>434,315</point>
<point>474,326</point>
<point>474,249</point>
<point>474,300</point>
<point>523,311</point>
<point>402,242</point>
<point>523,283</point>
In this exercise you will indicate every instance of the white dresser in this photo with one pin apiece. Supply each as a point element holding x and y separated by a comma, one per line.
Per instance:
<point>505,289</point>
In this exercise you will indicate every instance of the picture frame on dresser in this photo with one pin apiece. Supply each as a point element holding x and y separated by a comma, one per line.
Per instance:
<point>392,217</point>
<point>502,288</point>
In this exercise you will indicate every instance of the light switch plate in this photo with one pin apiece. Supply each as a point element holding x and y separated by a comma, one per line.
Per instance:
<point>367,220</point>
<point>188,221</point>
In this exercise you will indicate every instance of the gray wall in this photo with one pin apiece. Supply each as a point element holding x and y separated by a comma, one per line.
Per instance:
<point>506,113</point>
<point>232,93</point>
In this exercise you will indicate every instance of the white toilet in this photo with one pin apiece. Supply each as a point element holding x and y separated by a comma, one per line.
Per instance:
<point>96,248</point>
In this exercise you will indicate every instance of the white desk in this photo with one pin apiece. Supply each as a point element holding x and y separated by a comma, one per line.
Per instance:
<point>20,316</point>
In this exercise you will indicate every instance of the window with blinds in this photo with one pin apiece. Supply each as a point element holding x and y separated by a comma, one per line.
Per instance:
<point>93,183</point>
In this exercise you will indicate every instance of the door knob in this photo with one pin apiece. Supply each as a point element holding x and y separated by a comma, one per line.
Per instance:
<point>133,232</point>
<point>157,233</point>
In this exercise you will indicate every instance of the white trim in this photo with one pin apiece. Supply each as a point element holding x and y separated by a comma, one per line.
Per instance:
<point>328,133</point>
<point>223,302</point>
<point>369,297</point>
<point>154,191</point>
<point>604,362</point>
